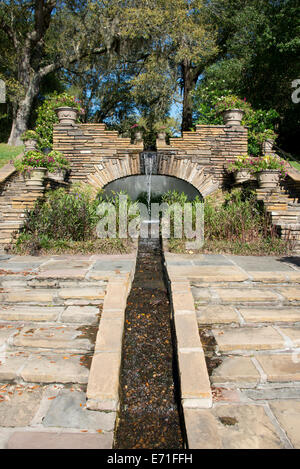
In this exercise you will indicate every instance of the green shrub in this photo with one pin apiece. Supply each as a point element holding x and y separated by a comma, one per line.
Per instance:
<point>36,159</point>
<point>238,226</point>
<point>46,116</point>
<point>260,122</point>
<point>66,222</point>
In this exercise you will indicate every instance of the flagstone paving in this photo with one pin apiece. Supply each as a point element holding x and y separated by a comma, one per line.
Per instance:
<point>244,394</point>
<point>50,312</point>
<point>248,316</point>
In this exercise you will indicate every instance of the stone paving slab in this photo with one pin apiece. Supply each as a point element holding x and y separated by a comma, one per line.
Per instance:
<point>19,405</point>
<point>248,307</point>
<point>49,313</point>
<point>31,313</point>
<point>236,370</point>
<point>68,410</point>
<point>264,338</point>
<point>281,367</point>
<point>288,415</point>
<point>246,295</point>
<point>260,315</point>
<point>54,337</point>
<point>261,263</point>
<point>216,314</point>
<point>231,427</point>
<point>59,440</point>
<point>49,368</point>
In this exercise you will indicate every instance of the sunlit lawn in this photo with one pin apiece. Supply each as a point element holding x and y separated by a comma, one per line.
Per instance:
<point>295,164</point>
<point>8,152</point>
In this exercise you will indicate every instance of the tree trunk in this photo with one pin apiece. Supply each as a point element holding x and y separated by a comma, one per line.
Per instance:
<point>189,76</point>
<point>22,113</point>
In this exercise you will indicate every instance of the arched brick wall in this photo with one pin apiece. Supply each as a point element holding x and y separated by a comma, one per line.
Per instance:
<point>99,156</point>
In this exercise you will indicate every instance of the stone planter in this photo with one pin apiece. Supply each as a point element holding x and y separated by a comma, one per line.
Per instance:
<point>58,176</point>
<point>30,145</point>
<point>138,137</point>
<point>267,147</point>
<point>268,179</point>
<point>67,115</point>
<point>242,175</point>
<point>161,136</point>
<point>233,116</point>
<point>35,177</point>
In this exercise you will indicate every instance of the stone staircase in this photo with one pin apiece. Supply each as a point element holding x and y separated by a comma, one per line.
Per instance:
<point>251,341</point>
<point>15,199</point>
<point>48,324</point>
<point>283,207</point>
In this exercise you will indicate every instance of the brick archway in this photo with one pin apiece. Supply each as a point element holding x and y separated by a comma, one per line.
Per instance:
<point>109,170</point>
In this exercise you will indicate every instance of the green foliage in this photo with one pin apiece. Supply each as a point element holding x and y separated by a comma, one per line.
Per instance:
<point>35,159</point>
<point>268,162</point>
<point>66,222</point>
<point>46,116</point>
<point>59,160</point>
<point>63,216</point>
<point>210,103</point>
<point>259,49</point>
<point>241,162</point>
<point>29,135</point>
<point>229,102</point>
<point>238,226</point>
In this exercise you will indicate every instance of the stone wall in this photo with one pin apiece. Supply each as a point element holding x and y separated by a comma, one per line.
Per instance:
<point>99,156</point>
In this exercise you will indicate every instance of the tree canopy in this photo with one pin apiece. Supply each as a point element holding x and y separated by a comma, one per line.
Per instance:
<point>134,58</point>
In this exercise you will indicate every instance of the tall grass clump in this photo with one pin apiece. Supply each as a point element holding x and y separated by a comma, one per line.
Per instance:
<point>239,225</point>
<point>66,221</point>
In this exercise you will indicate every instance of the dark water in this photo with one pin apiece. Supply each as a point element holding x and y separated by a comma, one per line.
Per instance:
<point>149,416</point>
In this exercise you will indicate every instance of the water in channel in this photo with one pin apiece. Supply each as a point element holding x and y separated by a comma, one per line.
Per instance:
<point>149,414</point>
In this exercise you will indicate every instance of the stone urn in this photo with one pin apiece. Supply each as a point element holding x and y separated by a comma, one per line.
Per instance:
<point>268,179</point>
<point>138,137</point>
<point>161,136</point>
<point>30,144</point>
<point>35,177</point>
<point>58,176</point>
<point>242,175</point>
<point>267,147</point>
<point>233,116</point>
<point>67,115</point>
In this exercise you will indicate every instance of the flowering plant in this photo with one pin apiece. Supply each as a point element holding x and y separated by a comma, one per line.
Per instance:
<point>59,160</point>
<point>230,102</point>
<point>29,135</point>
<point>65,100</point>
<point>137,127</point>
<point>268,163</point>
<point>267,134</point>
<point>242,162</point>
<point>36,159</point>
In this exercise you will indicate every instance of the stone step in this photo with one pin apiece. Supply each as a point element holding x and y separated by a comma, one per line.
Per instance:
<point>59,337</point>
<point>280,368</point>
<point>40,296</point>
<point>66,314</point>
<point>220,314</point>
<point>43,366</point>
<point>241,339</point>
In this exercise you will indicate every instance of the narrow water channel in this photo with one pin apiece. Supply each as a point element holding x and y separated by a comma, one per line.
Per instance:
<point>149,416</point>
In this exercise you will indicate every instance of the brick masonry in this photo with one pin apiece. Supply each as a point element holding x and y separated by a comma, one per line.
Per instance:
<point>99,156</point>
